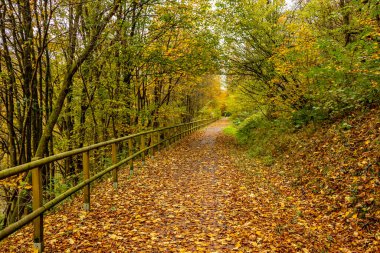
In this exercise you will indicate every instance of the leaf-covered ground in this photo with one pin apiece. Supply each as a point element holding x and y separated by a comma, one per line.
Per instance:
<point>205,195</point>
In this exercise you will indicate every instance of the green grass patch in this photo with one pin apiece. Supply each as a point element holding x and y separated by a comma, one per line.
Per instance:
<point>265,139</point>
<point>230,130</point>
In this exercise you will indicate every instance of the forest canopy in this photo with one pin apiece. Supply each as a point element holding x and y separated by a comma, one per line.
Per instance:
<point>312,60</point>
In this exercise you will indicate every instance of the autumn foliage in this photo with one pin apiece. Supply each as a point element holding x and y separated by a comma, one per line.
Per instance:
<point>205,194</point>
<point>294,169</point>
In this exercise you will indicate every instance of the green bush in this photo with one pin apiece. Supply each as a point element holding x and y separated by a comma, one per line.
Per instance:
<point>230,130</point>
<point>335,103</point>
<point>265,138</point>
<point>309,114</point>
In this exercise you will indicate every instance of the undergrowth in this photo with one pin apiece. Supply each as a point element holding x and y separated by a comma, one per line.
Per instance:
<point>336,164</point>
<point>265,139</point>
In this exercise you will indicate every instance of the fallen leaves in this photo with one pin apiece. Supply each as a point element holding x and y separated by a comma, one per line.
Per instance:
<point>333,178</point>
<point>206,195</point>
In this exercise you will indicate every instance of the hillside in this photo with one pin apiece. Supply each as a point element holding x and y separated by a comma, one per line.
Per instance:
<point>326,186</point>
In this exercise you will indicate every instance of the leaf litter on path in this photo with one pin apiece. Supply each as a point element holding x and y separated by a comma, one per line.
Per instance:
<point>201,195</point>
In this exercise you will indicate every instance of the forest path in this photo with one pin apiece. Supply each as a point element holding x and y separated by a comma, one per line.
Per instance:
<point>184,200</point>
<point>191,197</point>
<point>187,199</point>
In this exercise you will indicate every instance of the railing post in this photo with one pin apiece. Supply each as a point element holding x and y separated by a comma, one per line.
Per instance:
<point>158,141</point>
<point>86,175</point>
<point>142,147</point>
<point>130,153</point>
<point>114,160</point>
<point>152,142</point>
<point>166,138</point>
<point>38,223</point>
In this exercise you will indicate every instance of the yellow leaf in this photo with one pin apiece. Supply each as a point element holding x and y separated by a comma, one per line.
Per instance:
<point>237,245</point>
<point>113,236</point>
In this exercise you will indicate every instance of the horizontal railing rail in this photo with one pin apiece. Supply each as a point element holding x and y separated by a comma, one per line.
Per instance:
<point>35,166</point>
<point>46,160</point>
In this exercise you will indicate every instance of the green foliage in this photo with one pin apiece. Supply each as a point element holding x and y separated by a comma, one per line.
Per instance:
<point>308,114</point>
<point>317,62</point>
<point>238,106</point>
<point>60,186</point>
<point>265,138</point>
<point>268,160</point>
<point>230,131</point>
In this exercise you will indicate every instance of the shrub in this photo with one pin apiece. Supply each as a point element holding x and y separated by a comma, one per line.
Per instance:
<point>265,138</point>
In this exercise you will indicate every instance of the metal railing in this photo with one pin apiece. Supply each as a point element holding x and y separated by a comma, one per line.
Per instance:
<point>161,137</point>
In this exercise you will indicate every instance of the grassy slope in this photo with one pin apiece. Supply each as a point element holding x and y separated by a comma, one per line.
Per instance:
<point>327,182</point>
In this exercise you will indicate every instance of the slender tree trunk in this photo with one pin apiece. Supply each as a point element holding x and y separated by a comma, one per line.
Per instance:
<point>67,81</point>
